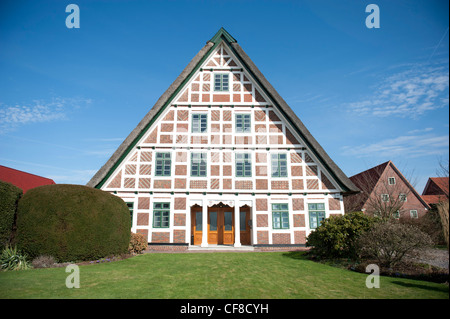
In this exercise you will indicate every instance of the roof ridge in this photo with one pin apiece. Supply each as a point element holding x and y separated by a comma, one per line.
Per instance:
<point>222,33</point>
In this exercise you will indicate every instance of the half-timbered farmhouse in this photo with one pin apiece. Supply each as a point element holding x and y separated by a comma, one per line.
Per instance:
<point>221,159</point>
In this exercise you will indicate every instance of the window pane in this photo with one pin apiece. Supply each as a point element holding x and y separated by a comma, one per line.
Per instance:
<point>242,224</point>
<point>198,221</point>
<point>165,219</point>
<point>225,78</point>
<point>213,221</point>
<point>157,219</point>
<point>228,219</point>
<point>276,220</point>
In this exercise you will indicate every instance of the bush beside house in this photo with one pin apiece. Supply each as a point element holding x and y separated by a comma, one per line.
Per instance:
<point>9,197</point>
<point>72,222</point>
<point>336,236</point>
<point>389,242</point>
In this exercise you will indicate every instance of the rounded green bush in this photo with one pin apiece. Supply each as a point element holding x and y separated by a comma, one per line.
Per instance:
<point>336,236</point>
<point>9,197</point>
<point>72,222</point>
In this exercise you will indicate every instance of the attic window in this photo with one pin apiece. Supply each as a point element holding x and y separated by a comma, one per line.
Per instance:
<point>391,180</point>
<point>199,123</point>
<point>221,82</point>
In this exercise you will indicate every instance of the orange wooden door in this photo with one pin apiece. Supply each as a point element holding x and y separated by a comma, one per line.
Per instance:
<point>196,225</point>
<point>244,220</point>
<point>227,227</point>
<point>220,226</point>
<point>213,227</point>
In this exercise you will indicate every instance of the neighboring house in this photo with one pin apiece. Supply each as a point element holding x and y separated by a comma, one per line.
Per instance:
<point>385,192</point>
<point>436,190</point>
<point>222,159</point>
<point>23,180</point>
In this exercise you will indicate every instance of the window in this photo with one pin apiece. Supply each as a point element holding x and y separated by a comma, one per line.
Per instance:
<point>385,197</point>
<point>161,212</point>
<point>163,164</point>
<point>391,180</point>
<point>198,164</point>
<point>130,208</point>
<point>316,215</point>
<point>220,82</point>
<point>243,165</point>
<point>279,165</point>
<point>280,216</point>
<point>199,123</point>
<point>402,197</point>
<point>396,215</point>
<point>243,123</point>
<point>413,213</point>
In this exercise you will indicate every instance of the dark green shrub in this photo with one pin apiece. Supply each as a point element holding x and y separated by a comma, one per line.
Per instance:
<point>9,197</point>
<point>72,222</point>
<point>336,236</point>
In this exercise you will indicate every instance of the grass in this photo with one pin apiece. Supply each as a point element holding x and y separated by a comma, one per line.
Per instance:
<point>212,275</point>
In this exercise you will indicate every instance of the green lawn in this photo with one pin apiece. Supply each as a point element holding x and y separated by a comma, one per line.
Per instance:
<point>211,275</point>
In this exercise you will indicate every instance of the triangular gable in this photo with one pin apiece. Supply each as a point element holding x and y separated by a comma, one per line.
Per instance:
<point>241,90</point>
<point>408,184</point>
<point>369,180</point>
<point>223,51</point>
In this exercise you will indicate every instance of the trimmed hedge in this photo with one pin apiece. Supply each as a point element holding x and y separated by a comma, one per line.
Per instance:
<point>9,197</point>
<point>72,222</point>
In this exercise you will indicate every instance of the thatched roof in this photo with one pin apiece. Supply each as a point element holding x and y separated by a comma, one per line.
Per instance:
<point>222,35</point>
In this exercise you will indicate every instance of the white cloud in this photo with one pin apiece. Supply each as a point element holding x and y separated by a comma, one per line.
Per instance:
<point>428,129</point>
<point>38,111</point>
<point>407,93</point>
<point>409,146</point>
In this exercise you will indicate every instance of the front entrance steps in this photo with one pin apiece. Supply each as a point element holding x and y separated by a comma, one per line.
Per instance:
<point>221,248</point>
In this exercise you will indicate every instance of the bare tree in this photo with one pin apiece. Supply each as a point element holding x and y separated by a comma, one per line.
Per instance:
<point>443,206</point>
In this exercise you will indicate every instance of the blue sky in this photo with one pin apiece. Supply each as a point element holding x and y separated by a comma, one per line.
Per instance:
<point>69,97</point>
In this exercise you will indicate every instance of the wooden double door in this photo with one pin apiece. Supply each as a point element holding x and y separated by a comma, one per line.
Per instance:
<point>220,227</point>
